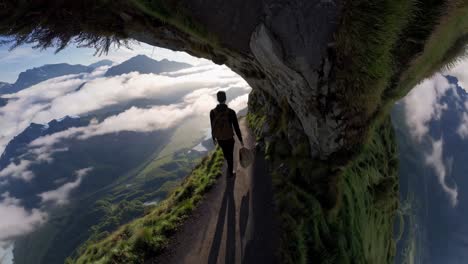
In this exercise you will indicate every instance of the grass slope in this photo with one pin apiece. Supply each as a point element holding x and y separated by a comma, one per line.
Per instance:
<point>147,236</point>
<point>446,45</point>
<point>386,47</point>
<point>359,228</point>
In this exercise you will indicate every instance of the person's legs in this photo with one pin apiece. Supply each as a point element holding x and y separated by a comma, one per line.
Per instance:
<point>230,155</point>
<point>228,150</point>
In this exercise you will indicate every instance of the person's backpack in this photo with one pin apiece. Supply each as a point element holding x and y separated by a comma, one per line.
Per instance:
<point>222,128</point>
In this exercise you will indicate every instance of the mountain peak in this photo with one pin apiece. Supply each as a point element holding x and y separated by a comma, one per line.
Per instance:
<point>101,63</point>
<point>39,74</point>
<point>144,64</point>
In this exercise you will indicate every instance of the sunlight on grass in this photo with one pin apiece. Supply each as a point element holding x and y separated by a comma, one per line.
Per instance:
<point>147,236</point>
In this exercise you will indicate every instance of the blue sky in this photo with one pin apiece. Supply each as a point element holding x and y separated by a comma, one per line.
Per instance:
<point>25,57</point>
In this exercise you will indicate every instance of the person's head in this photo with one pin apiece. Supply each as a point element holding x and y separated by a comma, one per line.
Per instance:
<point>221,95</point>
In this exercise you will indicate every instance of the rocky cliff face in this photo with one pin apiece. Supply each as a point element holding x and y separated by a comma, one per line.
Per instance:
<point>282,48</point>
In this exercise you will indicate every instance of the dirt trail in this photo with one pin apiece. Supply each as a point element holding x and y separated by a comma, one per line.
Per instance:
<point>234,223</point>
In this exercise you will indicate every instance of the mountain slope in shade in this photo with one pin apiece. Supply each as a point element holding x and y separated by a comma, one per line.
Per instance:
<point>101,63</point>
<point>3,101</point>
<point>144,64</point>
<point>127,176</point>
<point>4,87</point>
<point>112,158</point>
<point>19,144</point>
<point>36,75</point>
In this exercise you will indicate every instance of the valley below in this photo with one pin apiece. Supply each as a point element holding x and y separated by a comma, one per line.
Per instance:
<point>85,179</point>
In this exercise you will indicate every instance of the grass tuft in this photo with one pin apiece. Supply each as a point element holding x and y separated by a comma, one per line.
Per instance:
<point>445,47</point>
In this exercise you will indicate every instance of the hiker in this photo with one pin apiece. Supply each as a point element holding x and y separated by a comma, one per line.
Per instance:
<point>223,119</point>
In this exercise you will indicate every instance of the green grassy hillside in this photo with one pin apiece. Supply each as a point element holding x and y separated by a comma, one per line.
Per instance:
<point>71,224</point>
<point>147,236</point>
<point>111,197</point>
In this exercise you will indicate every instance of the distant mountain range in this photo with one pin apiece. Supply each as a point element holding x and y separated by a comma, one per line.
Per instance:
<point>101,63</point>
<point>128,172</point>
<point>140,63</point>
<point>36,75</point>
<point>4,84</point>
<point>144,64</point>
<point>39,74</point>
<point>3,101</point>
<point>19,144</point>
<point>112,158</point>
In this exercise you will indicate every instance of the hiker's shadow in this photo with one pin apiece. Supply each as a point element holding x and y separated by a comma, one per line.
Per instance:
<point>228,208</point>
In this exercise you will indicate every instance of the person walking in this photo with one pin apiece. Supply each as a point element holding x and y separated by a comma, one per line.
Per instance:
<point>223,120</point>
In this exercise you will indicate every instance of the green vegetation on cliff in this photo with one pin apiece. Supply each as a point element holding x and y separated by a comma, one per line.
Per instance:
<point>445,46</point>
<point>386,47</point>
<point>368,33</point>
<point>173,13</point>
<point>147,236</point>
<point>330,214</point>
<point>96,24</point>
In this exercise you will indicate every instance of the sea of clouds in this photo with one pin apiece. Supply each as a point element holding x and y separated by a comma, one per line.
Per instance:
<point>80,94</point>
<point>423,105</point>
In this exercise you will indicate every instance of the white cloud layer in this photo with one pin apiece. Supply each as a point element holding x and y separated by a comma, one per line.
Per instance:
<point>436,161</point>
<point>422,104</point>
<point>134,119</point>
<point>461,72</point>
<point>58,97</point>
<point>6,253</point>
<point>61,195</point>
<point>239,102</point>
<point>192,89</point>
<point>16,220</point>
<point>21,170</point>
<point>18,170</point>
<point>463,128</point>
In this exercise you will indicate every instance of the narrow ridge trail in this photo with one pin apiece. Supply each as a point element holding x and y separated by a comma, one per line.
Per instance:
<point>235,221</point>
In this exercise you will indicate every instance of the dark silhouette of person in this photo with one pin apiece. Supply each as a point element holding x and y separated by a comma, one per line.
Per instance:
<point>223,120</point>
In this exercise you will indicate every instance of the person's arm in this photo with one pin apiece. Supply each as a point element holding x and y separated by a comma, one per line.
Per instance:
<point>235,124</point>
<point>211,122</point>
